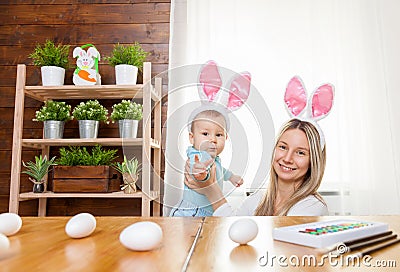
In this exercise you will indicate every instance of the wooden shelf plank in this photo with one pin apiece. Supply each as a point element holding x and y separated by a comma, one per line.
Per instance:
<point>40,143</point>
<point>27,196</point>
<point>85,92</point>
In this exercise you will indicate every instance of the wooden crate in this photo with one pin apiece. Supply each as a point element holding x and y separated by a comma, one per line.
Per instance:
<point>84,179</point>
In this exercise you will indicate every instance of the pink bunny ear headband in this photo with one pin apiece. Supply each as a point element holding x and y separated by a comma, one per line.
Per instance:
<point>310,110</point>
<point>214,98</point>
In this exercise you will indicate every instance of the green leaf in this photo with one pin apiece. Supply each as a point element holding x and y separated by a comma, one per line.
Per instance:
<point>38,169</point>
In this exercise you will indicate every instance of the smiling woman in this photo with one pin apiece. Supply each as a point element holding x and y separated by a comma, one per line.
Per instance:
<point>297,169</point>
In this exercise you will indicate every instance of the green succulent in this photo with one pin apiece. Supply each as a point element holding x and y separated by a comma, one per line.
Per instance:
<point>38,169</point>
<point>131,166</point>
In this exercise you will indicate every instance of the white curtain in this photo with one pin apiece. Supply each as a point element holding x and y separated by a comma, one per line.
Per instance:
<point>352,44</point>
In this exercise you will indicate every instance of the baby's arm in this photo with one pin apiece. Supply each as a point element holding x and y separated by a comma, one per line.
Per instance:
<point>236,180</point>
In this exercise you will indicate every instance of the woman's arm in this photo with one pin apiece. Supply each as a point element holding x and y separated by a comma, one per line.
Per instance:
<point>209,188</point>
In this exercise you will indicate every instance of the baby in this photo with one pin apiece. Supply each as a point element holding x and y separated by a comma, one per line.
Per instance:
<point>207,136</point>
<point>208,126</point>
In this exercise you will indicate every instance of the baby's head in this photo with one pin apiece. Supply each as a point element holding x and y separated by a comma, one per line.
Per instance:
<point>208,132</point>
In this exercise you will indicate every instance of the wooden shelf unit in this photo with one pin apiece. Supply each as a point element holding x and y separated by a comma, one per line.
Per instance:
<point>147,92</point>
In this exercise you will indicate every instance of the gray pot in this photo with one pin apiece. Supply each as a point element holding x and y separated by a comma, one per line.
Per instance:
<point>53,129</point>
<point>88,129</point>
<point>128,128</point>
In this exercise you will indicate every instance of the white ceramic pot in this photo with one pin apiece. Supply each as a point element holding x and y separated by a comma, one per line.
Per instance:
<point>52,75</point>
<point>125,74</point>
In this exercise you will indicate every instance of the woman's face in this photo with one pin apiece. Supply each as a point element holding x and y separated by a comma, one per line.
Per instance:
<point>292,156</point>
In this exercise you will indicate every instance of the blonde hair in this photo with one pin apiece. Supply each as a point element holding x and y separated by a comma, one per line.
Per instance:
<point>312,179</point>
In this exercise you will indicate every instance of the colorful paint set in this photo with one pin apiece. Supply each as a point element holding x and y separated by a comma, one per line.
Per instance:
<point>324,234</point>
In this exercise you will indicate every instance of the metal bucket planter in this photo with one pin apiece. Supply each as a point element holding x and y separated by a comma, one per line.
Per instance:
<point>88,129</point>
<point>53,129</point>
<point>128,128</point>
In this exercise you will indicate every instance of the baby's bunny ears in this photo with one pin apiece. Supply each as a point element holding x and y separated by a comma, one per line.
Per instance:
<point>211,83</point>
<point>216,98</point>
<point>313,109</point>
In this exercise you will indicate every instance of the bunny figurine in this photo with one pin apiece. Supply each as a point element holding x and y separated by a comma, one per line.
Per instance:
<point>84,73</point>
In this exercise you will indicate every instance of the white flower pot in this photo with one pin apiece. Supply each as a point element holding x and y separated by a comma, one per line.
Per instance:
<point>128,128</point>
<point>125,74</point>
<point>52,75</point>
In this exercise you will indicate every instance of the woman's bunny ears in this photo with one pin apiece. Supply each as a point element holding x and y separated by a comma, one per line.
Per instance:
<point>313,109</point>
<point>214,97</point>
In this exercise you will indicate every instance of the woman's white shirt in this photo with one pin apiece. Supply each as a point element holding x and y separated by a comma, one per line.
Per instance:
<point>309,206</point>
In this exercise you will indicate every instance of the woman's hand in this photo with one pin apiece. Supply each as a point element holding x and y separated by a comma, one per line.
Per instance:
<point>200,168</point>
<point>210,187</point>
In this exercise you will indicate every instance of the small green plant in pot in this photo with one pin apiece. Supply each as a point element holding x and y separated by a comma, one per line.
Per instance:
<point>53,60</point>
<point>130,170</point>
<point>89,114</point>
<point>127,60</point>
<point>53,114</point>
<point>37,171</point>
<point>128,114</point>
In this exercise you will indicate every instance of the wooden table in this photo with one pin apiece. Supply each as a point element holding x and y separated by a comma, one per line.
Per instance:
<point>42,245</point>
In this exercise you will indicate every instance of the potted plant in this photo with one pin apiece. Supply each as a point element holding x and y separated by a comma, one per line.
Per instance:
<point>53,60</point>
<point>128,114</point>
<point>89,114</point>
<point>81,169</point>
<point>53,114</point>
<point>130,170</point>
<point>37,170</point>
<point>127,60</point>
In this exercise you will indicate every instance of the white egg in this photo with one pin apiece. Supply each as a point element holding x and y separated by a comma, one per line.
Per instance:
<point>80,225</point>
<point>243,231</point>
<point>141,236</point>
<point>10,223</point>
<point>4,243</point>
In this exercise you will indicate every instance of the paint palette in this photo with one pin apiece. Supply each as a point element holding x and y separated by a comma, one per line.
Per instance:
<point>328,233</point>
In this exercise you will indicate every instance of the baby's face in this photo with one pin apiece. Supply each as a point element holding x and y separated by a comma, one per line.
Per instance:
<point>209,135</point>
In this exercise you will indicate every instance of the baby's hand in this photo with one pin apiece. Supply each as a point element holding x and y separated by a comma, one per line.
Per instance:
<point>236,180</point>
<point>200,169</point>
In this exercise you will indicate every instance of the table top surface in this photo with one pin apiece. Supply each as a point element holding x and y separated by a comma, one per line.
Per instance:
<point>42,245</point>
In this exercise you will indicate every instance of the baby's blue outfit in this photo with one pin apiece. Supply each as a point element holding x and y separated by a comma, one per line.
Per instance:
<point>193,203</point>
